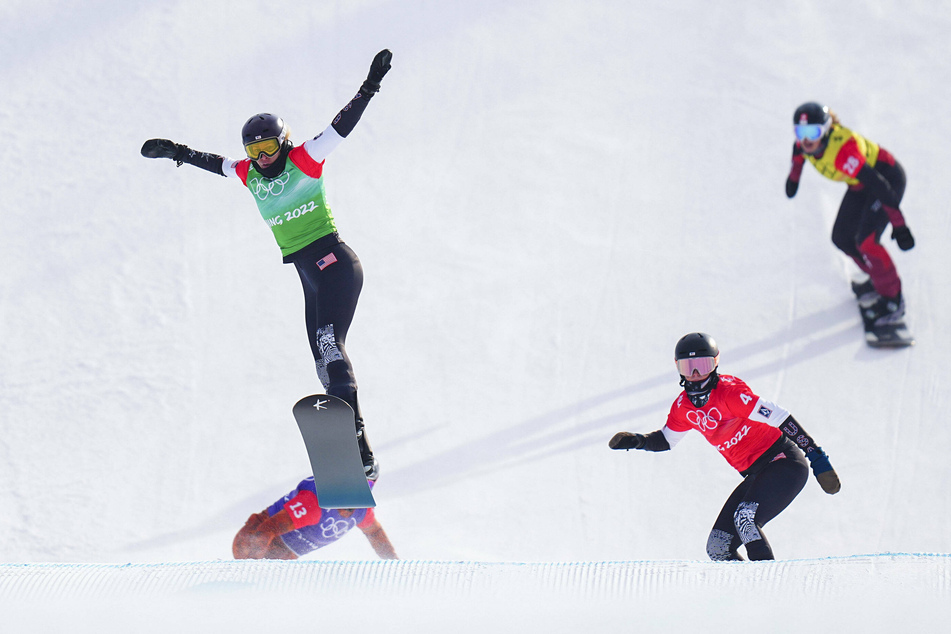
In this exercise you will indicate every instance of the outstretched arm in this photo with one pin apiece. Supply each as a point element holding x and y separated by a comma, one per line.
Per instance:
<point>346,120</point>
<point>660,440</point>
<point>319,147</point>
<point>378,539</point>
<point>163,148</point>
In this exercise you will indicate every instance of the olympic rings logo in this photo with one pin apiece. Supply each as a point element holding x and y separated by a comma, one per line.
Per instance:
<point>707,421</point>
<point>263,188</point>
<point>332,528</point>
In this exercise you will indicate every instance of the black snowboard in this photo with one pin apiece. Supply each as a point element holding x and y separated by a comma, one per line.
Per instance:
<point>327,426</point>
<point>894,335</point>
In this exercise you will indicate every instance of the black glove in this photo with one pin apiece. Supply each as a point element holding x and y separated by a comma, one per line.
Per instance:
<point>902,235</point>
<point>162,148</point>
<point>626,440</point>
<point>791,187</point>
<point>822,469</point>
<point>378,68</point>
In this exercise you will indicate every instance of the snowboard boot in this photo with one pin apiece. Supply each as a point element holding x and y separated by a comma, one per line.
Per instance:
<point>372,469</point>
<point>865,292</point>
<point>370,464</point>
<point>884,311</point>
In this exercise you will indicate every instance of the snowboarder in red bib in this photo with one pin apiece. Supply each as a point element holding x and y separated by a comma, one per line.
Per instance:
<point>758,438</point>
<point>876,184</point>
<point>287,185</point>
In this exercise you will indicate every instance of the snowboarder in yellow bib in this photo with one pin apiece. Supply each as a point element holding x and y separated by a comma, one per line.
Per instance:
<point>876,184</point>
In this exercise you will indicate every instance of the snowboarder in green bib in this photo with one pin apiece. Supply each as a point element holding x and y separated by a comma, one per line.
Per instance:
<point>287,185</point>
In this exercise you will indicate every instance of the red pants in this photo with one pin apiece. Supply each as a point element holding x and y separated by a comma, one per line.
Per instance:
<point>858,230</point>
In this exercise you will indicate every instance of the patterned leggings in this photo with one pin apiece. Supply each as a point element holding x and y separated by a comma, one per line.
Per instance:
<point>758,499</point>
<point>332,280</point>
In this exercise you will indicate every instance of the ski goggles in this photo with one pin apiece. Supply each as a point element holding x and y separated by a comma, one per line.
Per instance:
<point>268,147</point>
<point>810,131</point>
<point>702,365</point>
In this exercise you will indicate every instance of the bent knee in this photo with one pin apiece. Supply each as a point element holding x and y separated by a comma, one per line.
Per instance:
<point>745,521</point>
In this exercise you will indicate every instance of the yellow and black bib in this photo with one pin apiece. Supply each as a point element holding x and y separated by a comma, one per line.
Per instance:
<point>844,155</point>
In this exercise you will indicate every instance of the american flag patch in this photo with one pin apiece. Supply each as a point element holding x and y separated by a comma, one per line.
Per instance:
<point>326,261</point>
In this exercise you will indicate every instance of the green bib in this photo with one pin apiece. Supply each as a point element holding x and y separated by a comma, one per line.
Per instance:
<point>293,205</point>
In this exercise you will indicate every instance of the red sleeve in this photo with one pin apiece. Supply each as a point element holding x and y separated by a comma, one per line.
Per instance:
<point>368,520</point>
<point>242,168</point>
<point>798,160</point>
<point>850,159</point>
<point>305,162</point>
<point>303,509</point>
<point>895,216</point>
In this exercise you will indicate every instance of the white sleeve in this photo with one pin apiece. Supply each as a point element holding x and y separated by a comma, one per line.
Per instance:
<point>323,144</point>
<point>228,167</point>
<point>673,437</point>
<point>767,412</point>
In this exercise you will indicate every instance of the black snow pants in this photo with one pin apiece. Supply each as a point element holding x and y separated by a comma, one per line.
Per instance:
<point>332,277</point>
<point>758,499</point>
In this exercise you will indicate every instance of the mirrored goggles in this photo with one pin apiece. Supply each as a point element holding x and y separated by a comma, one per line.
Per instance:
<point>269,147</point>
<point>810,131</point>
<point>702,365</point>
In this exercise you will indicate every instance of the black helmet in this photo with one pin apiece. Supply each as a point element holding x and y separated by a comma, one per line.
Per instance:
<point>697,352</point>
<point>267,133</point>
<point>264,126</point>
<point>811,112</point>
<point>812,122</point>
<point>696,344</point>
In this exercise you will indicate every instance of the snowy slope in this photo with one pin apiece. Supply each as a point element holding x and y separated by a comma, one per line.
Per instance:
<point>878,593</point>
<point>545,197</point>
